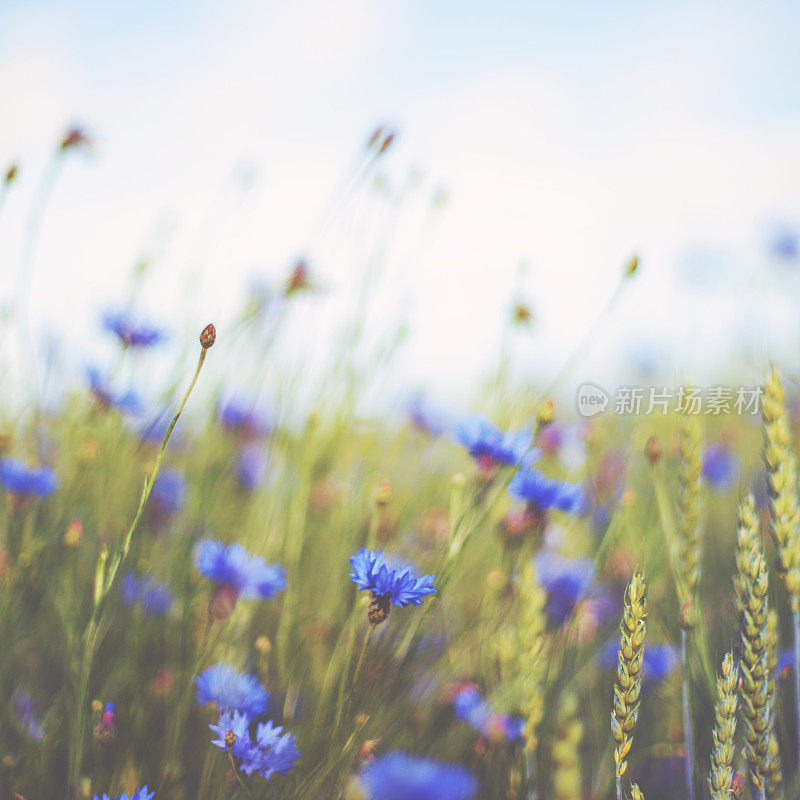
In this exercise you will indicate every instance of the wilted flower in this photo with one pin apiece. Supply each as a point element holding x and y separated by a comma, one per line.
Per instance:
<point>130,331</point>
<point>155,598</point>
<point>231,690</point>
<point>397,776</point>
<point>22,480</point>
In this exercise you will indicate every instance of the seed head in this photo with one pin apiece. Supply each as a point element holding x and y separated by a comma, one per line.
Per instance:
<point>74,137</point>
<point>653,449</point>
<point>208,336</point>
<point>545,414</point>
<point>378,609</point>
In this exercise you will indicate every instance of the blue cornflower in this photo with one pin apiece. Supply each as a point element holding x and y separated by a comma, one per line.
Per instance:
<point>659,660</point>
<point>105,395</point>
<point>155,598</point>
<point>720,466</point>
<point>130,331</point>
<point>545,493</point>
<point>169,491</point>
<point>397,776</point>
<point>231,690</point>
<point>234,568</point>
<point>22,480</point>
<point>472,708</point>
<point>272,753</point>
<point>426,417</point>
<point>251,467</point>
<point>236,723</point>
<point>786,244</point>
<point>236,414</point>
<point>139,794</point>
<point>566,581</point>
<point>400,585</point>
<point>488,445</point>
<point>22,703</point>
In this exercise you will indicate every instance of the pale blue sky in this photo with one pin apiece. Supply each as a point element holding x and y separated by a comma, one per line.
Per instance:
<point>568,135</point>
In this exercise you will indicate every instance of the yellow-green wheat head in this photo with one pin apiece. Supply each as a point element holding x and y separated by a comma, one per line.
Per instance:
<point>774,774</point>
<point>689,471</point>
<point>747,545</point>
<point>566,755</point>
<point>755,684</point>
<point>532,652</point>
<point>782,481</point>
<point>629,671</point>
<point>720,777</point>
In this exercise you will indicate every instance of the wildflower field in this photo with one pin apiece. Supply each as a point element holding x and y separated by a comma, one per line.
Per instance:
<point>207,597</point>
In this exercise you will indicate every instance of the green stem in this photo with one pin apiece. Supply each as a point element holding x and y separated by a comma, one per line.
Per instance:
<point>237,775</point>
<point>688,756</point>
<point>91,635</point>
<point>357,673</point>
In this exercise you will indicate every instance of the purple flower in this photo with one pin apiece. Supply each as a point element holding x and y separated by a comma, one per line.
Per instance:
<point>132,332</point>
<point>155,598</point>
<point>169,491</point>
<point>22,703</point>
<point>233,567</point>
<point>251,467</point>
<point>545,493</point>
<point>19,479</point>
<point>567,581</point>
<point>401,585</point>
<point>140,794</point>
<point>785,244</point>
<point>105,395</point>
<point>720,466</point>
<point>488,445</point>
<point>239,416</point>
<point>273,752</point>
<point>397,776</point>
<point>426,417</point>
<point>659,660</point>
<point>472,708</point>
<point>231,690</point>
